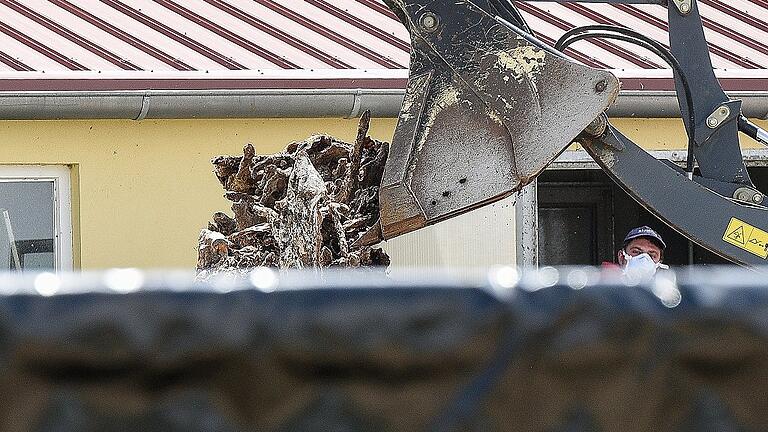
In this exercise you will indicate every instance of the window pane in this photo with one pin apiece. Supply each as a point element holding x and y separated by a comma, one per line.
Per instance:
<point>30,207</point>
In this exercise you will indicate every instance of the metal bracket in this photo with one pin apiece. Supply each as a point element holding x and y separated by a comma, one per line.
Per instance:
<point>144,107</point>
<point>718,117</point>
<point>684,6</point>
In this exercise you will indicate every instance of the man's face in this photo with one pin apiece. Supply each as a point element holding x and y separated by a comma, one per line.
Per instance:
<point>638,246</point>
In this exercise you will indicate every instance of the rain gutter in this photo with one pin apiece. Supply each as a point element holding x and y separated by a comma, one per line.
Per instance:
<point>180,104</point>
<point>283,103</point>
<point>38,95</point>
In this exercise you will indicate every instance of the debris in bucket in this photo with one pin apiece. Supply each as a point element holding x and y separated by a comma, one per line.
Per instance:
<point>303,207</point>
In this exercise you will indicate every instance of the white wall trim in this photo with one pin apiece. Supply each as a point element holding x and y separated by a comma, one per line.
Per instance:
<point>579,159</point>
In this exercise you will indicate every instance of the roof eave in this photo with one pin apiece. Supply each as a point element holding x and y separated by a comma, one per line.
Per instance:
<point>279,93</point>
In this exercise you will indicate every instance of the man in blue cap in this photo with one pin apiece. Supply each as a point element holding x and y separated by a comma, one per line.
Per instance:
<point>643,248</point>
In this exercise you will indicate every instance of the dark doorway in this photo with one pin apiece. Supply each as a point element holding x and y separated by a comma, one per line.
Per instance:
<point>584,216</point>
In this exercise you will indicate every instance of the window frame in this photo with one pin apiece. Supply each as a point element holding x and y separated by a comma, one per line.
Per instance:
<point>60,175</point>
<point>527,209</point>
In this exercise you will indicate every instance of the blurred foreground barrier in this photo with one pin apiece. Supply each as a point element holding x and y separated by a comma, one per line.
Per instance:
<point>559,350</point>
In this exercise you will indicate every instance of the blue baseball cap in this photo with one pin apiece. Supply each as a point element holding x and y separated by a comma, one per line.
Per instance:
<point>645,232</point>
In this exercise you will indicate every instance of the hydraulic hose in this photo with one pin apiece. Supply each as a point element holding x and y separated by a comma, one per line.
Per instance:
<point>631,36</point>
<point>753,131</point>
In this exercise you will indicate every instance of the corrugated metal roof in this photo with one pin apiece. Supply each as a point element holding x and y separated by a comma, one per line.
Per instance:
<point>140,44</point>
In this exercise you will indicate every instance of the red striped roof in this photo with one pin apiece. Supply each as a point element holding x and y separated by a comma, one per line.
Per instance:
<point>140,44</point>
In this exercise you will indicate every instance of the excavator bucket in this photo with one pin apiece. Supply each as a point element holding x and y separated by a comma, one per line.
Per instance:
<point>486,109</point>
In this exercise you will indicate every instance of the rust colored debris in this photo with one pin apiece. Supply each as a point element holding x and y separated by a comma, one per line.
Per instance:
<point>303,207</point>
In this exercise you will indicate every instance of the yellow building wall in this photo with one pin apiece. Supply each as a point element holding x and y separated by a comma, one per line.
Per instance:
<point>142,190</point>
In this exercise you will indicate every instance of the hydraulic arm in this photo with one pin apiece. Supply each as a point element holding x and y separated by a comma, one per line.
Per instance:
<point>488,106</point>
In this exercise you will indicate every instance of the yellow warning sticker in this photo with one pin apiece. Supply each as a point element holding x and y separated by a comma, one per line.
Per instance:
<point>747,237</point>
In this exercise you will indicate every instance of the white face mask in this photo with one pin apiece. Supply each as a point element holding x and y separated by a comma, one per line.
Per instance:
<point>641,265</point>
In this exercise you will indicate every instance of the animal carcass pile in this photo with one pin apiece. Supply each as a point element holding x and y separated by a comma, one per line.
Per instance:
<point>303,207</point>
